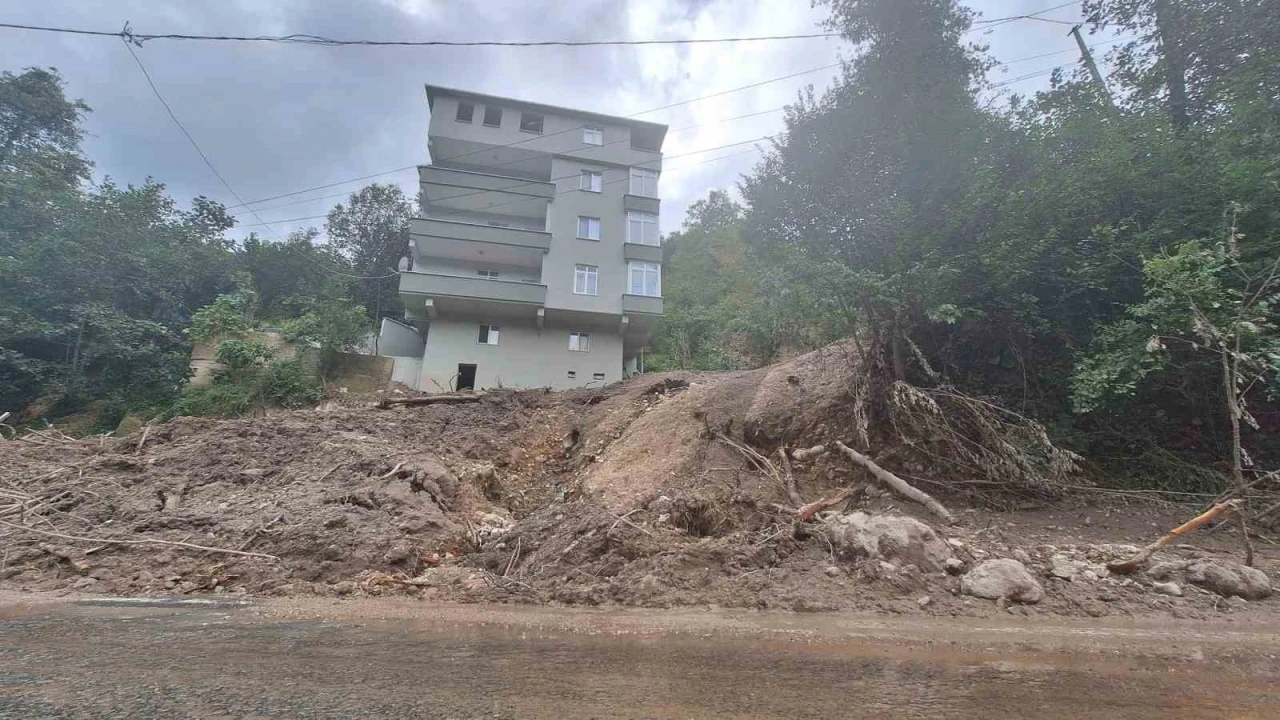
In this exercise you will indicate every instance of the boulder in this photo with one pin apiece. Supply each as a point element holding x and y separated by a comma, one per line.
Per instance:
<point>1230,579</point>
<point>1002,578</point>
<point>895,538</point>
<point>1167,588</point>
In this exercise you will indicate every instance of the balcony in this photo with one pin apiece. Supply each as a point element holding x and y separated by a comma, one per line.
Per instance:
<point>476,242</point>
<point>453,190</point>
<point>647,253</point>
<point>641,304</point>
<point>640,203</point>
<point>475,289</point>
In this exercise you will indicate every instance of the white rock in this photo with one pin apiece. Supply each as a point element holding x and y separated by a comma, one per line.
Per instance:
<point>1167,588</point>
<point>1022,556</point>
<point>832,571</point>
<point>954,566</point>
<point>1230,579</point>
<point>896,538</point>
<point>924,601</point>
<point>1002,578</point>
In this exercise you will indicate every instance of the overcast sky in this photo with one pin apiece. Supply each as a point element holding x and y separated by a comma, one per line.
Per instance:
<point>275,119</point>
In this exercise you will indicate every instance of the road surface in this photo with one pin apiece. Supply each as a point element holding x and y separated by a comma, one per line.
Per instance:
<point>397,659</point>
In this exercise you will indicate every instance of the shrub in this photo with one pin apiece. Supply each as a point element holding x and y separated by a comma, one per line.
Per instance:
<point>288,384</point>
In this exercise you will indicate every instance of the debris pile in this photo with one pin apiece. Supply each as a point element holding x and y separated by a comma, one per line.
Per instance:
<point>745,489</point>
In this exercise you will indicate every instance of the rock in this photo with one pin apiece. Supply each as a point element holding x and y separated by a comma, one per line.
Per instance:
<point>953,566</point>
<point>83,583</point>
<point>890,537</point>
<point>1002,578</point>
<point>1230,579</point>
<point>832,571</point>
<point>398,552</point>
<point>1089,575</point>
<point>1022,556</point>
<point>1165,570</point>
<point>1062,566</point>
<point>1167,588</point>
<point>924,601</point>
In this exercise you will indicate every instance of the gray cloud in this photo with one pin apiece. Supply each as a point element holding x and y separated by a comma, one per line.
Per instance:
<point>279,118</point>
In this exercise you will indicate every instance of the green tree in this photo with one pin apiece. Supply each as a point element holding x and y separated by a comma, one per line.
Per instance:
<point>371,232</point>
<point>332,323</point>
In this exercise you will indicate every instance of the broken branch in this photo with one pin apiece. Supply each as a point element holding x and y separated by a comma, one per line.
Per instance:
<point>1137,561</point>
<point>808,511</point>
<point>146,541</point>
<point>804,454</point>
<point>895,483</point>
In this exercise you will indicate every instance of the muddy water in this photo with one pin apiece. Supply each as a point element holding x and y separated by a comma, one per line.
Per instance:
<point>364,660</point>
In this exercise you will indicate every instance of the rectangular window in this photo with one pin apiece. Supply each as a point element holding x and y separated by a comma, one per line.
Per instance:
<point>597,376</point>
<point>488,335</point>
<point>593,135</point>
<point>492,116</point>
<point>488,274</point>
<point>531,122</point>
<point>571,374</point>
<point>580,342</point>
<point>466,111</point>
<point>644,182</point>
<point>588,227</point>
<point>592,181</point>
<point>645,279</point>
<point>642,228</point>
<point>584,279</point>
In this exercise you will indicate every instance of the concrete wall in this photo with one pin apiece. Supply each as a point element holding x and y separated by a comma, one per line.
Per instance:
<point>560,134</point>
<point>399,340</point>
<point>524,357</point>
<point>407,371</point>
<point>567,250</point>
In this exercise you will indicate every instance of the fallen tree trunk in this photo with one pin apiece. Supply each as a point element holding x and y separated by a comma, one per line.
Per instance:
<point>895,483</point>
<point>451,399</point>
<point>1137,561</point>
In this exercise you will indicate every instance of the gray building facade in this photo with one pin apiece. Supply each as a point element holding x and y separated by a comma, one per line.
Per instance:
<point>536,261</point>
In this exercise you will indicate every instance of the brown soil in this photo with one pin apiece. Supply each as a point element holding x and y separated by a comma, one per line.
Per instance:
<point>622,495</point>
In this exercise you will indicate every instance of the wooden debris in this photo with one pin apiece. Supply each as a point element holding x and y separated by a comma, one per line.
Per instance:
<point>808,511</point>
<point>789,479</point>
<point>895,483</point>
<point>1136,562</point>
<point>442,399</point>
<point>137,541</point>
<point>804,454</point>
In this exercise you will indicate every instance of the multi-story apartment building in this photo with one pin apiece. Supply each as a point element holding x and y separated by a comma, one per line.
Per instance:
<point>537,260</point>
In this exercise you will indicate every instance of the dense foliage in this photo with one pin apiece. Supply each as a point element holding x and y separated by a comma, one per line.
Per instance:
<point>104,288</point>
<point>1088,263</point>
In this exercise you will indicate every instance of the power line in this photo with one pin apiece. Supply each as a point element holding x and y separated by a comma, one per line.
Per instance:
<point>672,131</point>
<point>988,24</point>
<point>306,39</point>
<point>569,177</point>
<point>183,128</point>
<point>535,138</point>
<point>136,38</point>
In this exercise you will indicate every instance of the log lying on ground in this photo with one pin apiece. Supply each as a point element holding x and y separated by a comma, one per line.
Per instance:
<point>804,454</point>
<point>895,483</point>
<point>450,399</point>
<point>1134,563</point>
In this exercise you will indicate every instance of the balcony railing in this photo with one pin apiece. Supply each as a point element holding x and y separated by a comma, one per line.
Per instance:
<point>451,230</point>
<point>458,286</point>
<point>642,304</point>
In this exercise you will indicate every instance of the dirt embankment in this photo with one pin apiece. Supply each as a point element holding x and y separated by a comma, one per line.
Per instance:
<point>628,494</point>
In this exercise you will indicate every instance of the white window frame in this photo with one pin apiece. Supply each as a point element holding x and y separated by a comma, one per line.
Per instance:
<point>491,334</point>
<point>580,342</point>
<point>592,223</point>
<point>647,234</point>
<point>484,118</point>
<point>592,135</point>
<point>647,270</point>
<point>644,182</point>
<point>591,181</point>
<point>488,274</point>
<point>586,277</point>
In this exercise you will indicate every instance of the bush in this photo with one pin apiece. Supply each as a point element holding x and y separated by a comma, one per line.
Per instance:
<point>286,383</point>
<point>226,316</point>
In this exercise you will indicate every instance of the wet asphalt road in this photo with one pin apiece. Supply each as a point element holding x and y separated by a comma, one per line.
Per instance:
<point>359,659</point>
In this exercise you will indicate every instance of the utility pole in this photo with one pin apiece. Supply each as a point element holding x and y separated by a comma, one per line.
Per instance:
<point>1093,68</point>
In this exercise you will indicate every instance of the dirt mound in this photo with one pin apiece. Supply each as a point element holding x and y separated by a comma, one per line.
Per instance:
<point>661,490</point>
